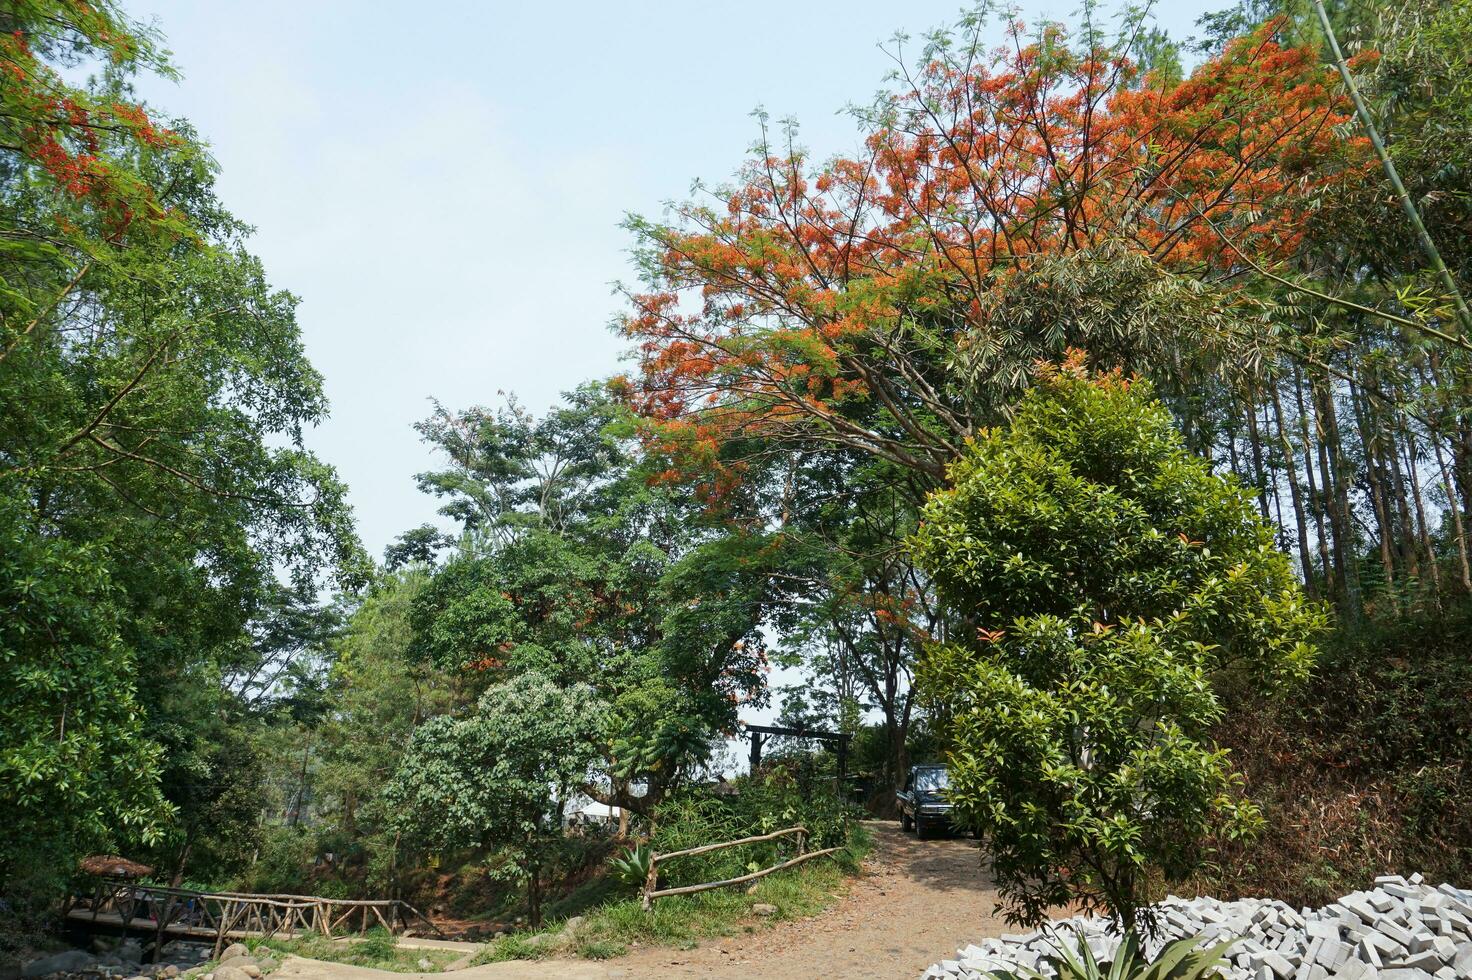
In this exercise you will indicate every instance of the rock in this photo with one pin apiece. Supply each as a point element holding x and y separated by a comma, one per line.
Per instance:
<point>226,971</point>
<point>267,963</point>
<point>572,925</point>
<point>425,964</point>
<point>232,951</point>
<point>1401,928</point>
<point>170,971</point>
<point>764,910</point>
<point>249,967</point>
<point>70,961</point>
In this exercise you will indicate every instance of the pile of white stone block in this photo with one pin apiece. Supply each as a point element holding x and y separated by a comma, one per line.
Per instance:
<point>1402,929</point>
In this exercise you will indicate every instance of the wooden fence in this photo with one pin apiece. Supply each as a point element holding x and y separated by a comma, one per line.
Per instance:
<point>222,916</point>
<point>652,891</point>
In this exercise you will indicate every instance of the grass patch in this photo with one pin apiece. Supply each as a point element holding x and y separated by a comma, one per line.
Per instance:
<point>683,921</point>
<point>378,949</point>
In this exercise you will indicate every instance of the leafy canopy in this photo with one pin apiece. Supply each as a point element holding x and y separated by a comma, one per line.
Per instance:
<point>1005,206</point>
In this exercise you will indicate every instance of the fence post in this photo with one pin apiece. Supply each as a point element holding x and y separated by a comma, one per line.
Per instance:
<point>650,880</point>
<point>802,842</point>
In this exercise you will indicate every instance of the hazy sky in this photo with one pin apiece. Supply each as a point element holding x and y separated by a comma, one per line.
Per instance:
<point>443,186</point>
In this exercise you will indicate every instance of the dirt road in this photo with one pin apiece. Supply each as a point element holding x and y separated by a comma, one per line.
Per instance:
<point>914,904</point>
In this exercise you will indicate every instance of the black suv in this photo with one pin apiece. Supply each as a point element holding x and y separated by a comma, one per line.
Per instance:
<point>923,804</point>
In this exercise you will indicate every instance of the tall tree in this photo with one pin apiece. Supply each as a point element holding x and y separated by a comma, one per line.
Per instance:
<point>153,472</point>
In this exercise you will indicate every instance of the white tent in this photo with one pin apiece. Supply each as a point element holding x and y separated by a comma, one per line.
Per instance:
<point>585,811</point>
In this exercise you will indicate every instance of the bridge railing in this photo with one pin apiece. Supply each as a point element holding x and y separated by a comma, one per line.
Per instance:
<point>227,915</point>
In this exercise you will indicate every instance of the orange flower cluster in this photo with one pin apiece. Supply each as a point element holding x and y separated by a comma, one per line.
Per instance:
<point>61,130</point>
<point>799,299</point>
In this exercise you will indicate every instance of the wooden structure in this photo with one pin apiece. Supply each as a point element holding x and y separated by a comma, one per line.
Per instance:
<point>652,891</point>
<point>838,740</point>
<point>119,903</point>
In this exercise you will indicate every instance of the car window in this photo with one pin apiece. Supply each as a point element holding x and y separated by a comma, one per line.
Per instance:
<point>932,779</point>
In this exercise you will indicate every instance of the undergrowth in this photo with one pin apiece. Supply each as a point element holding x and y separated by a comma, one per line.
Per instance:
<point>1367,771</point>
<point>377,949</point>
<point>683,921</point>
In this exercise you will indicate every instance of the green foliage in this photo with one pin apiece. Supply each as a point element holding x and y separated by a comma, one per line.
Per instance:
<point>1181,959</point>
<point>282,864</point>
<point>494,777</point>
<point>74,766</point>
<point>632,867</point>
<point>682,920</point>
<point>378,949</point>
<point>377,944</point>
<point>154,480</point>
<point>772,800</point>
<point>1116,591</point>
<point>573,566</point>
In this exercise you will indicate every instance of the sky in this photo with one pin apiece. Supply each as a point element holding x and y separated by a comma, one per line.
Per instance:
<point>444,189</point>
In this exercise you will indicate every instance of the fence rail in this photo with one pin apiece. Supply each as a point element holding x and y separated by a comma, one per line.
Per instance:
<point>232,915</point>
<point>652,891</point>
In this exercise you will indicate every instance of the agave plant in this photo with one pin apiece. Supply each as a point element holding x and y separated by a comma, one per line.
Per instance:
<point>632,867</point>
<point>1181,959</point>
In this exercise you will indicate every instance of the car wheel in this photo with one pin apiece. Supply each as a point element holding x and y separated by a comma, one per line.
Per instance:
<point>906,824</point>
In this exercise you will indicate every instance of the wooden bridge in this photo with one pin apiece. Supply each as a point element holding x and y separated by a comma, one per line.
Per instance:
<point>119,904</point>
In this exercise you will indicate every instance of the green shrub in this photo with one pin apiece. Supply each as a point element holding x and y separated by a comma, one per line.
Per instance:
<point>284,863</point>
<point>1117,595</point>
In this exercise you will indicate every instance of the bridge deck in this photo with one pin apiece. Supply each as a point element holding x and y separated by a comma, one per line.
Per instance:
<point>115,921</point>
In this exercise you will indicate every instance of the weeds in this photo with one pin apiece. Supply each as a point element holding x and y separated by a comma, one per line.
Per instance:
<point>682,921</point>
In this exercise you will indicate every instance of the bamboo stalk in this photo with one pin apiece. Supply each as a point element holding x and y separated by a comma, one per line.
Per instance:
<point>733,843</point>
<point>692,889</point>
<point>1433,255</point>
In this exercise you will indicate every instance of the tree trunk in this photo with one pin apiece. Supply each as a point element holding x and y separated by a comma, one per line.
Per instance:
<point>181,862</point>
<point>1452,505</point>
<point>1316,498</point>
<point>1424,531</point>
<point>1310,583</point>
<point>1336,491</point>
<point>534,897</point>
<point>1370,441</point>
<point>301,785</point>
<point>1258,477</point>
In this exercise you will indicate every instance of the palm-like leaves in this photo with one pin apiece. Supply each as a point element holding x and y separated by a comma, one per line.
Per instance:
<point>1182,959</point>
<point>632,867</point>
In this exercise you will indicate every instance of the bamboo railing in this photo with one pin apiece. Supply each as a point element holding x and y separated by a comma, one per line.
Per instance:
<point>651,890</point>
<point>232,915</point>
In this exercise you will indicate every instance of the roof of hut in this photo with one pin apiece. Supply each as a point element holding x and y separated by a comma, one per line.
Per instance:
<point>112,866</point>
